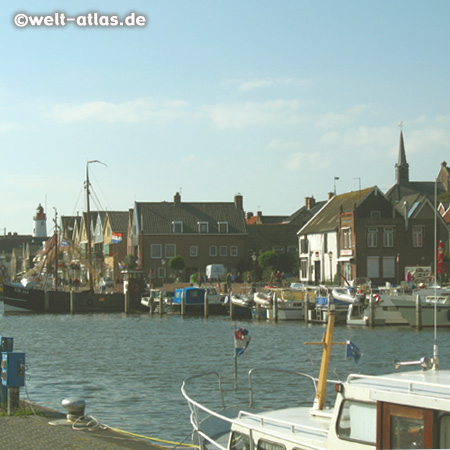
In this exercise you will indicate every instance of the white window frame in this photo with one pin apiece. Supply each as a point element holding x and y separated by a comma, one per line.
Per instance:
<point>168,253</point>
<point>193,251</point>
<point>153,248</point>
<point>346,238</point>
<point>213,250</point>
<point>201,225</point>
<point>234,250</point>
<point>372,237</point>
<point>220,225</point>
<point>161,272</point>
<point>175,225</point>
<point>388,237</point>
<point>223,250</point>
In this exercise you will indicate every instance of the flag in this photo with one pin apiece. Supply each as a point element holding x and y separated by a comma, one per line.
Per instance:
<point>352,351</point>
<point>116,238</point>
<point>241,340</point>
<point>64,244</point>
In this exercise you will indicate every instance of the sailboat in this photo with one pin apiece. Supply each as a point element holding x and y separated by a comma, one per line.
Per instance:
<point>37,295</point>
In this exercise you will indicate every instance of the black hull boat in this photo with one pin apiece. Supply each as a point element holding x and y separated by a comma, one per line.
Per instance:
<point>20,299</point>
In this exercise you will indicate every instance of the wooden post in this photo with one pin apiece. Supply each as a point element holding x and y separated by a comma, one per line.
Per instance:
<point>231,304</point>
<point>13,400</point>
<point>275,307</point>
<point>371,311</point>
<point>206,304</point>
<point>183,304</point>
<point>72,301</point>
<point>419,313</point>
<point>258,311</point>
<point>306,307</point>
<point>126,306</point>
<point>152,304</point>
<point>46,301</point>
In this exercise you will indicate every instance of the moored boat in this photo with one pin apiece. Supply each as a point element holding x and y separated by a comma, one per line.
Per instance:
<point>397,410</point>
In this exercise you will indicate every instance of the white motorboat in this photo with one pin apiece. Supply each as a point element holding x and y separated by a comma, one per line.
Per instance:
<point>430,304</point>
<point>263,299</point>
<point>398,410</point>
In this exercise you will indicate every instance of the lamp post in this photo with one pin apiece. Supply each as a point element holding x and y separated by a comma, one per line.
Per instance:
<point>330,255</point>
<point>163,262</point>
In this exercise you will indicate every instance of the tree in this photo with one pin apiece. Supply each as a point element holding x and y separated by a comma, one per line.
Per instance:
<point>268,260</point>
<point>130,262</point>
<point>177,263</point>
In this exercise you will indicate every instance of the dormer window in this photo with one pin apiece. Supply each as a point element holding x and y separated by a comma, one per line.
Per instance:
<point>203,227</point>
<point>222,227</point>
<point>177,227</point>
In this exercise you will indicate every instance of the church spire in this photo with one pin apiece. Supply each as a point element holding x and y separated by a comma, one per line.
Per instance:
<point>402,167</point>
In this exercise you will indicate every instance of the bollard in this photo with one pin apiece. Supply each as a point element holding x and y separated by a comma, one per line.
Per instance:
<point>419,313</point>
<point>206,303</point>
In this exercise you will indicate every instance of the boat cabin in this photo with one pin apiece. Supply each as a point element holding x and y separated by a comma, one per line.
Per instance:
<point>192,296</point>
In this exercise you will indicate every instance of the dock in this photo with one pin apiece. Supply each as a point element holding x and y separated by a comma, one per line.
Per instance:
<point>44,430</point>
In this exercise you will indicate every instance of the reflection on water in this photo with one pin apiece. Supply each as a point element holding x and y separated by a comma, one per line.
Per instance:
<point>129,369</point>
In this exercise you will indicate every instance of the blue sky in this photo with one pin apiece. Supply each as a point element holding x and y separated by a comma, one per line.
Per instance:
<point>268,99</point>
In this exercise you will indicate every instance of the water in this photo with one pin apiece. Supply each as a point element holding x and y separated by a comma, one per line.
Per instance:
<point>129,369</point>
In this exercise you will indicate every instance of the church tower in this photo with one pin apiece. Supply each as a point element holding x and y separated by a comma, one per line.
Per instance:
<point>40,223</point>
<point>402,167</point>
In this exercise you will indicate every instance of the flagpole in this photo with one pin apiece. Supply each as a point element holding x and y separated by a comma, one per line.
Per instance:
<point>235,360</point>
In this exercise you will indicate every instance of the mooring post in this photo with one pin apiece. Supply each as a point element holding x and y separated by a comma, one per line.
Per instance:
<point>371,311</point>
<point>161,304</point>
<point>183,304</point>
<point>275,307</point>
<point>126,306</point>
<point>258,311</point>
<point>306,308</point>
<point>72,301</point>
<point>206,304</point>
<point>13,400</point>
<point>231,305</point>
<point>418,313</point>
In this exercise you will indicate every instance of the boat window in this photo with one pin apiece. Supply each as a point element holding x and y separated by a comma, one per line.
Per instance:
<point>266,445</point>
<point>239,441</point>
<point>444,431</point>
<point>357,422</point>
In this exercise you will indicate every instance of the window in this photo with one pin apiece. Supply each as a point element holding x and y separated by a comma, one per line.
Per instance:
<point>357,421</point>
<point>203,227</point>
<point>304,268</point>
<point>223,250</point>
<point>417,233</point>
<point>106,250</point>
<point>212,250</point>
<point>372,237</point>
<point>161,272</point>
<point>388,267</point>
<point>170,250</point>
<point>304,245</point>
<point>177,227</point>
<point>193,251</point>
<point>375,214</point>
<point>233,250</point>
<point>265,445</point>
<point>388,237</point>
<point>222,227</point>
<point>239,441</point>
<point>373,267</point>
<point>292,249</point>
<point>347,238</point>
<point>156,251</point>
<point>278,249</point>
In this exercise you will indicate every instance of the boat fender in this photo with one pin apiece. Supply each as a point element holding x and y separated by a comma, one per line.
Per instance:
<point>377,298</point>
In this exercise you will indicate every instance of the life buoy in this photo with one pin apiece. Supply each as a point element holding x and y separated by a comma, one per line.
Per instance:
<point>377,298</point>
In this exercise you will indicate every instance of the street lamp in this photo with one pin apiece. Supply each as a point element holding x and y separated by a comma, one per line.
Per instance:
<point>330,255</point>
<point>163,262</point>
<point>254,258</point>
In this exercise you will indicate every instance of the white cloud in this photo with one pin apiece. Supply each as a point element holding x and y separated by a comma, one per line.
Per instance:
<point>253,113</point>
<point>246,86</point>
<point>308,161</point>
<point>134,111</point>
<point>7,126</point>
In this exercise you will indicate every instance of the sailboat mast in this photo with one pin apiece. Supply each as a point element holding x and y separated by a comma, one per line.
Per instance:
<point>88,228</point>
<point>56,249</point>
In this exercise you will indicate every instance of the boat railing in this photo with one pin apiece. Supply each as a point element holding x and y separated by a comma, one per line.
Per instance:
<point>201,416</point>
<point>410,386</point>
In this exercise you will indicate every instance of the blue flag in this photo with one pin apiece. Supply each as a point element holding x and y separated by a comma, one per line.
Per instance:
<point>241,340</point>
<point>352,351</point>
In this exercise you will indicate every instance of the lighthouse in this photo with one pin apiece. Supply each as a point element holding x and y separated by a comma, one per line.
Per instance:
<point>40,223</point>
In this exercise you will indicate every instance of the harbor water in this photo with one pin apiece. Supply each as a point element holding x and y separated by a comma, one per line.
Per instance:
<point>129,369</point>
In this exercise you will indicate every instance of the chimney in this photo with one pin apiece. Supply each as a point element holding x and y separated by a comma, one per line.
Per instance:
<point>309,202</point>
<point>177,198</point>
<point>238,202</point>
<point>259,214</point>
<point>330,195</point>
<point>249,215</point>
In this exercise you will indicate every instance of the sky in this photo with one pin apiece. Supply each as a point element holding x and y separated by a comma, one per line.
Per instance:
<point>273,100</point>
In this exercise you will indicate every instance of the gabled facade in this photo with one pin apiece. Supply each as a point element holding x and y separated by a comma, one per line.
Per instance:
<point>202,233</point>
<point>115,238</point>
<point>363,234</point>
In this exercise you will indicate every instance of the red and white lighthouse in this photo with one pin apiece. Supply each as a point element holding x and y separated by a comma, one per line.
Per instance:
<point>40,223</point>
